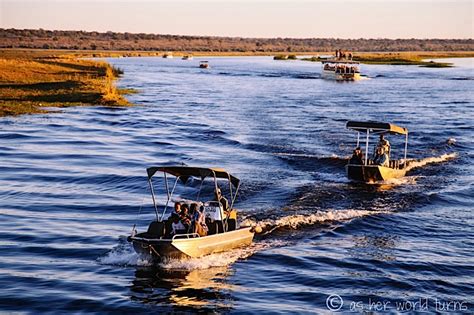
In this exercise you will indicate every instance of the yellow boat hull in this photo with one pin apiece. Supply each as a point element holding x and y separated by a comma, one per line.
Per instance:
<point>185,247</point>
<point>372,173</point>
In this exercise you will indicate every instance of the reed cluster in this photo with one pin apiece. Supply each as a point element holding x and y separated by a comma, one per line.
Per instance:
<point>30,81</point>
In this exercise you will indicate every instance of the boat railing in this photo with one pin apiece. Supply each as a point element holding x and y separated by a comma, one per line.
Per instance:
<point>188,235</point>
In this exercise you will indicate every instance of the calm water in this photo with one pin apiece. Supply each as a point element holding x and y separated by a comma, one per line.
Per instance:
<point>71,184</point>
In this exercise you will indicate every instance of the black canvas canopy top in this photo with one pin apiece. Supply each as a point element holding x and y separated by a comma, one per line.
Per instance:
<point>184,172</point>
<point>363,126</point>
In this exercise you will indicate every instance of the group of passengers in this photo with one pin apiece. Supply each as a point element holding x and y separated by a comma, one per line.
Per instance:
<point>341,68</point>
<point>186,219</point>
<point>346,69</point>
<point>192,219</point>
<point>381,154</point>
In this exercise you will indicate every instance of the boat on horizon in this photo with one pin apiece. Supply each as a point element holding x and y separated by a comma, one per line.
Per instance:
<point>368,170</point>
<point>168,55</point>
<point>224,232</point>
<point>340,69</point>
<point>187,57</point>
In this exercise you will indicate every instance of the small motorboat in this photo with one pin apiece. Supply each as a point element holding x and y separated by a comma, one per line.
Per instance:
<point>168,55</point>
<point>224,232</point>
<point>187,57</point>
<point>204,64</point>
<point>367,169</point>
<point>341,67</point>
<point>341,70</point>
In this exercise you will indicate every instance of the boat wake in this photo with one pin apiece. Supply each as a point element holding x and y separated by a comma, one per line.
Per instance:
<point>406,180</point>
<point>124,255</point>
<point>295,221</point>
<point>412,164</point>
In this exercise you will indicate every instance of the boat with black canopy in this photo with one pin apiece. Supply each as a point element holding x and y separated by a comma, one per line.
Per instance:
<point>383,164</point>
<point>224,232</point>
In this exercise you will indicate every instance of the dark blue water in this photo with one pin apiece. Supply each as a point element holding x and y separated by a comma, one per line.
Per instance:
<point>71,184</point>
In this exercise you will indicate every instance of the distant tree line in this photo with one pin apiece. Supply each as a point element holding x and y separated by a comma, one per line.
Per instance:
<point>81,40</point>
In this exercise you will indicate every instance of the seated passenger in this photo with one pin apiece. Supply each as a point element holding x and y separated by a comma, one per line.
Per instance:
<point>200,226</point>
<point>356,157</point>
<point>177,226</point>
<point>384,144</point>
<point>193,216</point>
<point>176,212</point>
<point>381,157</point>
<point>177,207</point>
<point>169,222</point>
<point>184,217</point>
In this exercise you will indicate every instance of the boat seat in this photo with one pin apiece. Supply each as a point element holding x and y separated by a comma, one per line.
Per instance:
<point>156,229</point>
<point>231,224</point>
<point>215,227</point>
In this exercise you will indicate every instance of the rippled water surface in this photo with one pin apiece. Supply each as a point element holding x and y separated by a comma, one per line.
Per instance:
<point>71,185</point>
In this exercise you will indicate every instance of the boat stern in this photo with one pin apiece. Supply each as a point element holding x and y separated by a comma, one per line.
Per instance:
<point>372,173</point>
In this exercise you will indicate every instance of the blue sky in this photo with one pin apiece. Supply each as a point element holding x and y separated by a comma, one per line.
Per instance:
<point>245,18</point>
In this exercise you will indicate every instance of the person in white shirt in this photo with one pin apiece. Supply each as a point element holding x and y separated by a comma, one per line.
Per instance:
<point>177,226</point>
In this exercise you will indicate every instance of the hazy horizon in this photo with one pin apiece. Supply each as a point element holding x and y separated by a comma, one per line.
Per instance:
<point>348,19</point>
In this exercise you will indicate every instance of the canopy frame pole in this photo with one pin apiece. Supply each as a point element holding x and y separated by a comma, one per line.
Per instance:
<point>358,139</point>
<point>366,147</point>
<point>153,197</point>
<point>218,201</point>
<point>230,186</point>
<point>166,186</point>
<point>169,198</point>
<point>406,150</point>
<point>235,196</point>
<point>200,188</point>
<point>215,180</point>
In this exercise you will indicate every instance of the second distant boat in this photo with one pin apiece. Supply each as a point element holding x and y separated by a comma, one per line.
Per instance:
<point>204,64</point>
<point>168,55</point>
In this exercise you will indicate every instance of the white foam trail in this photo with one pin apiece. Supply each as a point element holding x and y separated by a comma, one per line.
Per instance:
<point>439,159</point>
<point>123,255</point>
<point>296,220</point>
<point>407,180</point>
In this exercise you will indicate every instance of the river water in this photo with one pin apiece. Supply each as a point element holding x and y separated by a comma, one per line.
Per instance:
<point>72,182</point>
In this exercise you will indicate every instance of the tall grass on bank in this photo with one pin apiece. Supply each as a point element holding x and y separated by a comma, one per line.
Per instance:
<point>31,81</point>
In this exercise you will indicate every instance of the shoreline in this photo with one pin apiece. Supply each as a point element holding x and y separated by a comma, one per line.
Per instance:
<point>32,79</point>
<point>422,59</point>
<point>156,53</point>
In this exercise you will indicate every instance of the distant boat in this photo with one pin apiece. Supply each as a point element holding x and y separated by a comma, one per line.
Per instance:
<point>340,69</point>
<point>187,57</point>
<point>365,169</point>
<point>204,64</point>
<point>168,55</point>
